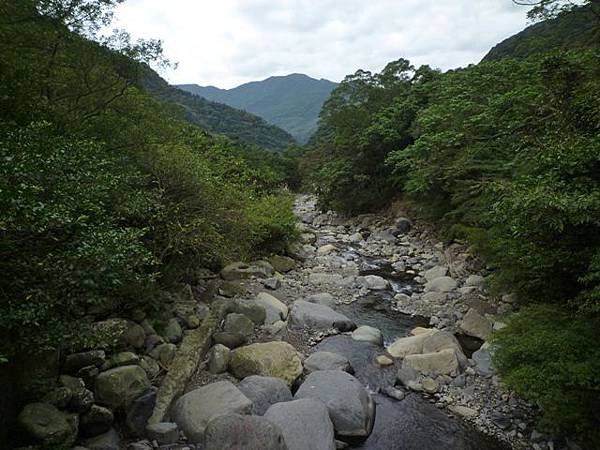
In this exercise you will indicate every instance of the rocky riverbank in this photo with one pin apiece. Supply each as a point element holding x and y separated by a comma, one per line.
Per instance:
<point>368,325</point>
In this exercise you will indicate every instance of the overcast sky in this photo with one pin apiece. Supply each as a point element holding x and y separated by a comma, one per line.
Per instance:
<point>229,42</point>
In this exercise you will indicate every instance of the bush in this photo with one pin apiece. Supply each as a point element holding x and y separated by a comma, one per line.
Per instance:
<point>69,238</point>
<point>552,359</point>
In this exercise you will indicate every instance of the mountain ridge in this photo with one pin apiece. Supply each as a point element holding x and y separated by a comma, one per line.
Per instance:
<point>291,102</point>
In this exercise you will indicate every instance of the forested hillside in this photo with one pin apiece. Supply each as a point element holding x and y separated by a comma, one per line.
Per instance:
<point>109,198</point>
<point>504,155</point>
<point>218,117</point>
<point>291,102</point>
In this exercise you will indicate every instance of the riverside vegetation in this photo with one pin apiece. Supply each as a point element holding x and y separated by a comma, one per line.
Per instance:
<point>119,207</point>
<point>506,156</point>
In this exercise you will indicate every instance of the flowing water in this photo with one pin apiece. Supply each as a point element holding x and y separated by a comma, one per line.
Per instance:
<point>413,423</point>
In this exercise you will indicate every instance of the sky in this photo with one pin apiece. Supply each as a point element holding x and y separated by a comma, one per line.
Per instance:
<point>225,43</point>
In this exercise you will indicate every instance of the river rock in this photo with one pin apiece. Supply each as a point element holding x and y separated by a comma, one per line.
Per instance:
<point>238,323</point>
<point>462,411</point>
<point>444,362</point>
<point>351,408</point>
<point>106,441</point>
<point>440,341</point>
<point>476,325</point>
<point>305,424</point>
<point>319,317</point>
<point>46,425</point>
<point>435,272</point>
<point>164,433</point>
<point>139,411</point>
<point>243,271</point>
<point>194,410</point>
<point>173,332</point>
<point>81,397</point>
<point>326,249</point>
<point>368,334</point>
<point>383,360</point>
<point>440,284</point>
<point>77,361</point>
<point>326,279</point>
<point>272,359</point>
<point>275,309</point>
<point>264,392</point>
<point>474,280</point>
<point>407,376</point>
<point>96,421</point>
<point>322,299</point>
<point>483,361</point>
<point>164,353</point>
<point>230,340</point>
<point>123,359</point>
<point>410,345</point>
<point>124,333</point>
<point>251,309</point>
<point>272,283</point>
<point>326,361</point>
<point>230,289</point>
<point>118,387</point>
<point>218,359</point>
<point>59,397</point>
<point>430,385</point>
<point>375,282</point>
<point>243,432</point>
<point>150,366</point>
<point>282,264</point>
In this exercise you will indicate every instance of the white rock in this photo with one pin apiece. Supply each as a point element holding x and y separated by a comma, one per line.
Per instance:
<point>366,333</point>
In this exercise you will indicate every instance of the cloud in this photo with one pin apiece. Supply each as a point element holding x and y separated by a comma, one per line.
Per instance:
<point>229,42</point>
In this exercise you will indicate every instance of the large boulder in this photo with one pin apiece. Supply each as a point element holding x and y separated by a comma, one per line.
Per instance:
<point>483,361</point>
<point>77,361</point>
<point>105,441</point>
<point>366,333</point>
<point>440,284</point>
<point>118,387</point>
<point>251,309</point>
<point>264,392</point>
<point>164,353</point>
<point>46,425</point>
<point>270,359</point>
<point>305,424</point>
<point>374,282</point>
<point>351,408</point>
<point>238,323</point>
<point>440,341</point>
<point>230,340</point>
<point>410,345</point>
<point>123,333</point>
<point>444,362</point>
<point>476,325</point>
<point>243,271</point>
<point>96,421</point>
<point>322,298</point>
<point>218,359</point>
<point>282,263</point>
<point>139,411</point>
<point>319,317</point>
<point>435,272</point>
<point>81,397</point>
<point>275,309</point>
<point>243,432</point>
<point>173,332</point>
<point>326,361</point>
<point>194,410</point>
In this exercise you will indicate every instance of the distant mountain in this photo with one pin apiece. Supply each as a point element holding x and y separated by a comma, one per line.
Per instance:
<point>217,117</point>
<point>572,30</point>
<point>292,102</point>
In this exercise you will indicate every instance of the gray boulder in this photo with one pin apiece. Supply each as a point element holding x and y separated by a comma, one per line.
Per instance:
<point>326,361</point>
<point>474,324</point>
<point>106,441</point>
<point>319,317</point>
<point>444,362</point>
<point>173,332</point>
<point>243,271</point>
<point>77,361</point>
<point>118,387</point>
<point>237,431</point>
<point>96,421</point>
<point>164,433</point>
<point>164,354</point>
<point>350,406</point>
<point>251,309</point>
<point>218,359</point>
<point>366,333</point>
<point>272,359</point>
<point>264,392</point>
<point>46,425</point>
<point>194,410</point>
<point>275,309</point>
<point>139,412</point>
<point>483,361</point>
<point>305,424</point>
<point>230,340</point>
<point>238,323</point>
<point>440,284</point>
<point>322,298</point>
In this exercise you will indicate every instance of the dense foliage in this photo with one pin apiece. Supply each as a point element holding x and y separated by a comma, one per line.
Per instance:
<point>291,102</point>
<point>107,195</point>
<point>505,154</point>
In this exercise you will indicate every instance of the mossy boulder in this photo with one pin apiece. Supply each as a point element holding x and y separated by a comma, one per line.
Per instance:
<point>270,359</point>
<point>46,425</point>
<point>118,387</point>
